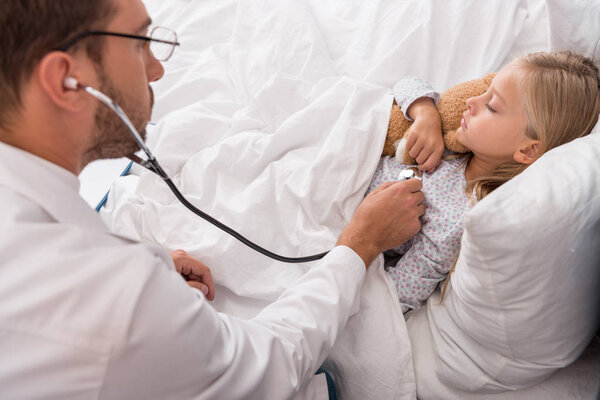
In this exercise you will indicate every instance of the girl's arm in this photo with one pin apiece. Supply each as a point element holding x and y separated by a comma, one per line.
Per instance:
<point>427,263</point>
<point>411,88</point>
<point>418,100</point>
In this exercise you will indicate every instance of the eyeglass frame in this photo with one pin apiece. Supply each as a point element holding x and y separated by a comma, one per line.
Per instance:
<point>148,39</point>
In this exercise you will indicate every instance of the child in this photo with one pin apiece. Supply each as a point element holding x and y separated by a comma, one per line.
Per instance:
<point>534,104</point>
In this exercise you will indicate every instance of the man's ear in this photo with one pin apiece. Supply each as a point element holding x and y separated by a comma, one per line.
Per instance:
<point>51,74</point>
<point>528,153</point>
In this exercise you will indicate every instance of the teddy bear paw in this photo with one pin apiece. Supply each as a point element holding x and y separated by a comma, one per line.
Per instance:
<point>400,146</point>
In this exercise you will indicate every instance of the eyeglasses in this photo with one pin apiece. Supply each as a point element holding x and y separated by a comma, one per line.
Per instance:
<point>162,41</point>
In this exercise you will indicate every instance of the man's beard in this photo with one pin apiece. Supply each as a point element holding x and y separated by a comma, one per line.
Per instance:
<point>112,138</point>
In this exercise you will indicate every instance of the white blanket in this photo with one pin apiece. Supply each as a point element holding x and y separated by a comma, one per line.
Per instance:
<point>271,118</point>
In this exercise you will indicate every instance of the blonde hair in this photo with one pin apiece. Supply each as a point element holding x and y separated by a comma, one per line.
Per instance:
<point>560,96</point>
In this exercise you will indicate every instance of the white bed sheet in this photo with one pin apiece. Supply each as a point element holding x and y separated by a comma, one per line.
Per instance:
<point>271,117</point>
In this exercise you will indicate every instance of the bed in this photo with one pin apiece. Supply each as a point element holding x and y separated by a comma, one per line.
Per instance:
<point>271,117</point>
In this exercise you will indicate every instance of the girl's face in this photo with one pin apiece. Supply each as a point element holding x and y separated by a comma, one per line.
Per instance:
<point>493,127</point>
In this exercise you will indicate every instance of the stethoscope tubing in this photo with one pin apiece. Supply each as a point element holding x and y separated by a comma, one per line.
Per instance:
<point>151,163</point>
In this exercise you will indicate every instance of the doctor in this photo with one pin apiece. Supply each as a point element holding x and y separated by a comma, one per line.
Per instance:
<point>86,314</point>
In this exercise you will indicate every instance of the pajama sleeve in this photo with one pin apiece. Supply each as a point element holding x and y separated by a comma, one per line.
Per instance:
<point>411,88</point>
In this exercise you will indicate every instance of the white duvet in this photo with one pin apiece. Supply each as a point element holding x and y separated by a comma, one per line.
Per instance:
<point>271,118</point>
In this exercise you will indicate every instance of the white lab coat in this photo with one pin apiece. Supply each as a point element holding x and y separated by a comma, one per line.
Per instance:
<point>86,314</point>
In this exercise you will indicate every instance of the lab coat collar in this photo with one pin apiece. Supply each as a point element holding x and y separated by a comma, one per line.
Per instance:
<point>54,188</point>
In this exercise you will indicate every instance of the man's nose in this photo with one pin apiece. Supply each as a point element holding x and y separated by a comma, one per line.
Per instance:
<point>154,69</point>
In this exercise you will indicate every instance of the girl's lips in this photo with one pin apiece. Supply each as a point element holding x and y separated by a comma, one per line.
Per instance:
<point>463,123</point>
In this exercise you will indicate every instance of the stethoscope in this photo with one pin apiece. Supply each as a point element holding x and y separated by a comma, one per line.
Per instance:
<point>152,164</point>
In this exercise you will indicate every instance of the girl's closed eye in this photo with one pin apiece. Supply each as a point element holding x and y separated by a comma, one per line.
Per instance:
<point>490,108</point>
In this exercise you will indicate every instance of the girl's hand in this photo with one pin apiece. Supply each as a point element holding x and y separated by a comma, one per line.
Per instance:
<point>424,141</point>
<point>194,272</point>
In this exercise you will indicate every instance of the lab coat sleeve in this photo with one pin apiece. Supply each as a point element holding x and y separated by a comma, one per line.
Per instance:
<point>177,346</point>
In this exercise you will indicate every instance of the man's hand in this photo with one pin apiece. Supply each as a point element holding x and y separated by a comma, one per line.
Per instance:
<point>194,272</point>
<point>387,217</point>
<point>424,141</point>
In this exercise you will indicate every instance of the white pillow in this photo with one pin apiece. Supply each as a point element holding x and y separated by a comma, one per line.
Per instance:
<point>575,25</point>
<point>525,295</point>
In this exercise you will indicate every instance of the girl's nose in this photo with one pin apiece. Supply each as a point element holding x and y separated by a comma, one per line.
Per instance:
<point>472,104</point>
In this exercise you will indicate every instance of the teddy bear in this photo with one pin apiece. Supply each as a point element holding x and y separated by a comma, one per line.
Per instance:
<point>451,106</point>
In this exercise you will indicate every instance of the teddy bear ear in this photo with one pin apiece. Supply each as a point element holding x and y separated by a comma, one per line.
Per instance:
<point>488,78</point>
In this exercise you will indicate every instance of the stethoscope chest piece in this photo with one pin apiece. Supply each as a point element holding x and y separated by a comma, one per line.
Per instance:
<point>410,173</point>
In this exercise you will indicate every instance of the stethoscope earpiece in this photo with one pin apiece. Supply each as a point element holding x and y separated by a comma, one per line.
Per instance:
<point>70,83</point>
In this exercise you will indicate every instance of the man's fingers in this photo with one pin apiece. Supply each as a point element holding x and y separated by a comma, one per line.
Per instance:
<point>195,272</point>
<point>205,279</point>
<point>385,220</point>
<point>383,186</point>
<point>413,185</point>
<point>183,268</point>
<point>419,198</point>
<point>201,287</point>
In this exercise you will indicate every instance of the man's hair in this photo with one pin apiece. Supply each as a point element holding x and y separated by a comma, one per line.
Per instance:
<point>30,29</point>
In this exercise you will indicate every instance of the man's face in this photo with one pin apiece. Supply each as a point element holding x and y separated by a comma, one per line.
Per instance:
<point>112,138</point>
<point>124,75</point>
